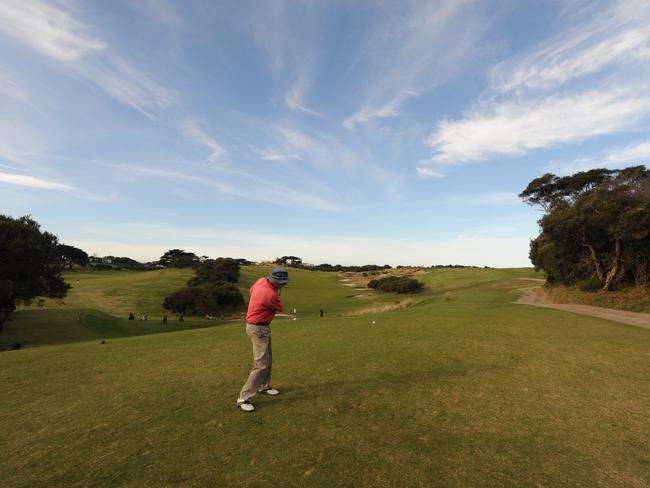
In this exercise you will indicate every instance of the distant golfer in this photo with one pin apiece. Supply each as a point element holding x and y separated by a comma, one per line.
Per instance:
<point>264,303</point>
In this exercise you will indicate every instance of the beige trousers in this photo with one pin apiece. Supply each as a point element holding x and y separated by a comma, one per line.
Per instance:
<point>260,377</point>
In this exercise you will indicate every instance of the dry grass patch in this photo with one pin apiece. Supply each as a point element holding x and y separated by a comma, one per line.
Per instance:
<point>635,299</point>
<point>387,307</point>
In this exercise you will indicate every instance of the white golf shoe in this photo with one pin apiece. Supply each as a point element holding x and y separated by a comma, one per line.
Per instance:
<point>245,405</point>
<point>270,392</point>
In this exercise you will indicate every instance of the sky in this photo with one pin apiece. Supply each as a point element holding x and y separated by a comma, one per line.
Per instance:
<point>352,132</point>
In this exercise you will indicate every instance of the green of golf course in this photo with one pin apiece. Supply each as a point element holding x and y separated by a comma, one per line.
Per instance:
<point>461,388</point>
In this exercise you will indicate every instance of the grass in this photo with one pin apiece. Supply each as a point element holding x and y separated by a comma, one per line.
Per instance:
<point>473,391</point>
<point>40,327</point>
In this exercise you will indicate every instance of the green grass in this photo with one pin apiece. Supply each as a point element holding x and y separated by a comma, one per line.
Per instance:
<point>466,391</point>
<point>41,327</point>
<point>120,292</point>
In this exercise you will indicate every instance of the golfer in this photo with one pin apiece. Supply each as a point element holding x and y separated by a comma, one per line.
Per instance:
<point>264,303</point>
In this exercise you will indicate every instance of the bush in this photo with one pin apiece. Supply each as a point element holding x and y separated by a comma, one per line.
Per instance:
<point>396,284</point>
<point>203,299</point>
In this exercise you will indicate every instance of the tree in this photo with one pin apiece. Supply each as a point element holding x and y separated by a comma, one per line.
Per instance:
<point>294,261</point>
<point>596,226</point>
<point>216,271</point>
<point>178,258</point>
<point>30,264</point>
<point>72,255</point>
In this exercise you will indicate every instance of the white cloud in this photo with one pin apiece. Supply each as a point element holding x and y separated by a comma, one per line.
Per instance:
<point>198,135</point>
<point>33,182</point>
<point>424,172</point>
<point>476,250</point>
<point>514,128</point>
<point>521,113</point>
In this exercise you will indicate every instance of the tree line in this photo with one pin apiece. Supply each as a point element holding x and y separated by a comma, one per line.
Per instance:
<point>595,231</point>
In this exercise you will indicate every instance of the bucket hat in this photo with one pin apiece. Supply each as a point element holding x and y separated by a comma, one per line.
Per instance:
<point>279,276</point>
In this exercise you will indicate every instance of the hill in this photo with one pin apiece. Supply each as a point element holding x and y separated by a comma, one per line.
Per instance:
<point>99,301</point>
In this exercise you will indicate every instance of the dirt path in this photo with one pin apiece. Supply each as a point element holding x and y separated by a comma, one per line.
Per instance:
<point>534,295</point>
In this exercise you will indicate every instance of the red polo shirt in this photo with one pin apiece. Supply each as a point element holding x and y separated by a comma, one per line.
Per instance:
<point>264,303</point>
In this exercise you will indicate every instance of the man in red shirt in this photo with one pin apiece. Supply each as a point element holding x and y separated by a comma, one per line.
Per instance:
<point>264,303</point>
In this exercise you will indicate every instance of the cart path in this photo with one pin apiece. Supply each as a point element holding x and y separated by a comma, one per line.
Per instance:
<point>534,295</point>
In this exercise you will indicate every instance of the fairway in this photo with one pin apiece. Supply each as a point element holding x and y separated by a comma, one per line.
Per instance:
<point>463,388</point>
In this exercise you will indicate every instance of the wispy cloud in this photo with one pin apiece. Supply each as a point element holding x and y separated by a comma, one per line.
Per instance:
<point>513,127</point>
<point>424,45</point>
<point>294,100</point>
<point>10,88</point>
<point>55,33</point>
<point>617,35</point>
<point>639,152</point>
<point>490,198</point>
<point>46,28</point>
<point>424,172</point>
<point>241,184</point>
<point>194,133</point>
<point>326,151</point>
<point>33,182</point>
<point>125,83</point>
<point>633,154</point>
<point>273,156</point>
<point>289,34</point>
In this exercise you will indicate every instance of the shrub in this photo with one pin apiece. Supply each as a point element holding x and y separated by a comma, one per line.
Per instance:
<point>202,299</point>
<point>396,284</point>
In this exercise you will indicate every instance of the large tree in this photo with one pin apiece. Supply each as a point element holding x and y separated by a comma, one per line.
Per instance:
<point>30,264</point>
<point>596,226</point>
<point>178,258</point>
<point>73,255</point>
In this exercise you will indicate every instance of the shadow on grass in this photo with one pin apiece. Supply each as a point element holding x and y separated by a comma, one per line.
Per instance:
<point>383,384</point>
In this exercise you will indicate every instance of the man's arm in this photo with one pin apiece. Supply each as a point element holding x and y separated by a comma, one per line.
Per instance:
<point>275,302</point>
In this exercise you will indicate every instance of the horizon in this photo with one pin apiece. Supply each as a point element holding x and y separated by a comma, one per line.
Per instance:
<point>342,133</point>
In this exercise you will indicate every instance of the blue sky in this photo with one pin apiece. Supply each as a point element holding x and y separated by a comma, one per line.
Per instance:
<point>342,131</point>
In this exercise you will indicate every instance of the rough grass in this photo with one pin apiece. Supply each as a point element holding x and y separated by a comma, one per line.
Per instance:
<point>635,299</point>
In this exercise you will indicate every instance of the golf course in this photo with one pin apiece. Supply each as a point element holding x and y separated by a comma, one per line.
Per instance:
<point>455,386</point>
